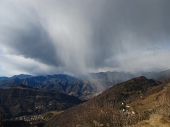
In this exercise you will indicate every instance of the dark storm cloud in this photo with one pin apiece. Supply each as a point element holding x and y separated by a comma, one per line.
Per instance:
<point>80,36</point>
<point>146,21</point>
<point>36,44</point>
<point>124,26</point>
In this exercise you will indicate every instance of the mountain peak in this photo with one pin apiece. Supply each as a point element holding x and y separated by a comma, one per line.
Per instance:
<point>22,76</point>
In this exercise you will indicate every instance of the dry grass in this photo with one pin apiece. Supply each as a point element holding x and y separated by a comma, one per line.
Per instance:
<point>154,121</point>
<point>159,107</point>
<point>152,111</point>
<point>56,112</point>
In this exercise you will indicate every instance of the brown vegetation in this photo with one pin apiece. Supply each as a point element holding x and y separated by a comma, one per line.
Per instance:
<point>22,100</point>
<point>125,104</point>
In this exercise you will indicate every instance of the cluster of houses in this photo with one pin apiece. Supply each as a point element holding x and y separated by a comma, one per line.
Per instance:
<point>30,118</point>
<point>128,109</point>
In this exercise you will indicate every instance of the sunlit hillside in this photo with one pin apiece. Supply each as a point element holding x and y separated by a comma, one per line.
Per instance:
<point>121,106</point>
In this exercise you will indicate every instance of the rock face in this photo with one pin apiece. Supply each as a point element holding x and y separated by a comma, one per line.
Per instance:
<point>21,100</point>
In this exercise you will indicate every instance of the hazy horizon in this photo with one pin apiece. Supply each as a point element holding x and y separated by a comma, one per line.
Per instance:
<point>75,37</point>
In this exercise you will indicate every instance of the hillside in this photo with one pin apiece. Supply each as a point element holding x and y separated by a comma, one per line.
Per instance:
<point>21,100</point>
<point>125,104</point>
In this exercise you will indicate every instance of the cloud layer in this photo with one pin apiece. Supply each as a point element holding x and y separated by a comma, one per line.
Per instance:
<point>47,37</point>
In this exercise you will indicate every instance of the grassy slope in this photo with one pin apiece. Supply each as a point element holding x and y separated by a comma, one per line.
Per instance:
<point>105,110</point>
<point>158,105</point>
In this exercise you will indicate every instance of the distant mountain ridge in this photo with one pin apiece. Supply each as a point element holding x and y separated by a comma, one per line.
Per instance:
<point>83,86</point>
<point>21,76</point>
<point>35,80</point>
<point>60,83</point>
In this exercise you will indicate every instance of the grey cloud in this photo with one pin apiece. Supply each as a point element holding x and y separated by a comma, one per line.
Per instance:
<point>130,25</point>
<point>36,44</point>
<point>82,36</point>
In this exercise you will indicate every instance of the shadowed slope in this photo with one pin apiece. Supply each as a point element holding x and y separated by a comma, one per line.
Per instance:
<point>24,100</point>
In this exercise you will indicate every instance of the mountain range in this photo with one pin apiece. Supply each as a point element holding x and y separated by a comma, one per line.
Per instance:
<point>79,85</point>
<point>116,99</point>
<point>60,83</point>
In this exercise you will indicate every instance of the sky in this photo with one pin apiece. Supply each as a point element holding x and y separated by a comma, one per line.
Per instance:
<point>41,37</point>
